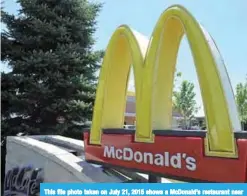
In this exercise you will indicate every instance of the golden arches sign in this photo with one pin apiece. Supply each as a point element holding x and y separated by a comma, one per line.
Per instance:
<point>154,66</point>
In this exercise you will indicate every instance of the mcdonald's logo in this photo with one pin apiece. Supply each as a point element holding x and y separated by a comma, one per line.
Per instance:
<point>218,155</point>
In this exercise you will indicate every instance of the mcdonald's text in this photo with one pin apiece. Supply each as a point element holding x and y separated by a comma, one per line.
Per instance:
<point>166,159</point>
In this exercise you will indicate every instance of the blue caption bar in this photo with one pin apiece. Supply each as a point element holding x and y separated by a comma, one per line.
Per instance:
<point>125,189</point>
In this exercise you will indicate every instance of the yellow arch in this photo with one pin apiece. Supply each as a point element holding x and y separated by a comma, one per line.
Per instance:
<point>122,51</point>
<point>154,92</point>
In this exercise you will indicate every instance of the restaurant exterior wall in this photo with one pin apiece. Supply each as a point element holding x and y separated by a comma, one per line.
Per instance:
<point>129,118</point>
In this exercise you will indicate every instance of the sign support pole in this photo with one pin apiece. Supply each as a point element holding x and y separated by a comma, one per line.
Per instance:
<point>154,179</point>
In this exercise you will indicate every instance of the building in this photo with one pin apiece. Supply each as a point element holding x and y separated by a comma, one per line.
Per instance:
<point>130,111</point>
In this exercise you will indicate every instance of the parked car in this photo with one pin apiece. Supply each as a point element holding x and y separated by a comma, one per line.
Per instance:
<point>129,126</point>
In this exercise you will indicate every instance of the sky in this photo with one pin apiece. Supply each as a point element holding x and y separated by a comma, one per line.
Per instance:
<point>225,20</point>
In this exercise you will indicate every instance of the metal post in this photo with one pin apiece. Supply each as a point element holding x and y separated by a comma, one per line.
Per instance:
<point>154,179</point>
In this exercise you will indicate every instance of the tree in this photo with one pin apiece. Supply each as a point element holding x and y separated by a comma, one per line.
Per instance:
<point>184,101</point>
<point>241,99</point>
<point>51,85</point>
<point>177,75</point>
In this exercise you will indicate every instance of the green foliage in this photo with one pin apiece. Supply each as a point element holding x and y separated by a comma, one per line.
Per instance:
<point>176,77</point>
<point>184,101</point>
<point>241,99</point>
<point>48,47</point>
